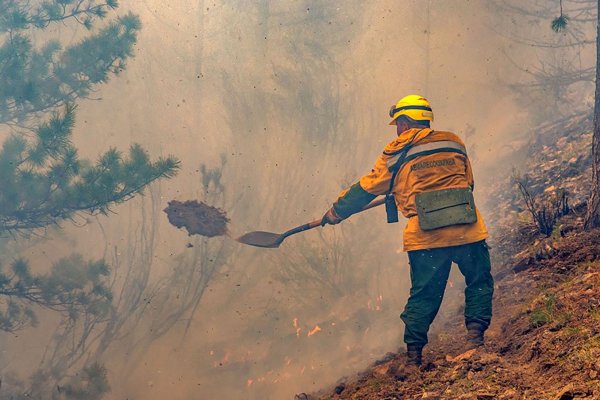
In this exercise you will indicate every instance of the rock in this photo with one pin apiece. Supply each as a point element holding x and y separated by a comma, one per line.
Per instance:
<point>461,357</point>
<point>569,392</point>
<point>402,372</point>
<point>509,394</point>
<point>489,358</point>
<point>382,369</point>
<point>431,396</point>
<point>340,388</point>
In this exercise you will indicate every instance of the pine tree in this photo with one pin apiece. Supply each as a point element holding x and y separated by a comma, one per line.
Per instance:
<point>43,180</point>
<point>592,218</point>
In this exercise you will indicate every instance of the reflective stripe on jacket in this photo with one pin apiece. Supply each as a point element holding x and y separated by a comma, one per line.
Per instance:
<point>426,172</point>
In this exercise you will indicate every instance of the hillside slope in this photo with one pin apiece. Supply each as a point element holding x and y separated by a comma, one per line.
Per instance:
<point>544,342</point>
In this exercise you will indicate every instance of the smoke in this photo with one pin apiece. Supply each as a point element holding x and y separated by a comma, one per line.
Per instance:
<point>288,102</point>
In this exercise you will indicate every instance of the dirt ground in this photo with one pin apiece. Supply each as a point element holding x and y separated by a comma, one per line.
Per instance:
<point>197,218</point>
<point>544,342</point>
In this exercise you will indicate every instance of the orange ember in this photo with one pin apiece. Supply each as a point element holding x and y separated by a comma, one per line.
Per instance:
<point>316,329</point>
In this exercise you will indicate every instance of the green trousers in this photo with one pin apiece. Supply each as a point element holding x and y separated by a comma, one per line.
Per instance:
<point>429,270</point>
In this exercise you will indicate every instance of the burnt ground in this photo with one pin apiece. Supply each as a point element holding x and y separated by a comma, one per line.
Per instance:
<point>544,342</point>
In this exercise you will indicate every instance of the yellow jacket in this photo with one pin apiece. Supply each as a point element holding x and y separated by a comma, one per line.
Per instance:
<point>440,170</point>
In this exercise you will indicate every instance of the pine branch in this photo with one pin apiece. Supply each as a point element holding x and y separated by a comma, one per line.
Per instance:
<point>73,287</point>
<point>45,182</point>
<point>39,80</point>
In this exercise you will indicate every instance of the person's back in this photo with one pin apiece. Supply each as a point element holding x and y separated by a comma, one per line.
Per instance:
<point>427,175</point>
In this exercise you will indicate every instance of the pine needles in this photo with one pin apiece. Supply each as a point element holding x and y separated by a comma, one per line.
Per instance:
<point>559,23</point>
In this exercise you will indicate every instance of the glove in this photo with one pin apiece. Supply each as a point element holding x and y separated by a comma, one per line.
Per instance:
<point>331,217</point>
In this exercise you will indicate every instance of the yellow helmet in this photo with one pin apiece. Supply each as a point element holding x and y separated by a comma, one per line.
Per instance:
<point>413,106</point>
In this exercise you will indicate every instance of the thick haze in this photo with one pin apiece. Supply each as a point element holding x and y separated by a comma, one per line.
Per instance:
<point>291,98</point>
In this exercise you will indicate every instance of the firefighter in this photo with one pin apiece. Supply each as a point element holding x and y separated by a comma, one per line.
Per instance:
<point>427,175</point>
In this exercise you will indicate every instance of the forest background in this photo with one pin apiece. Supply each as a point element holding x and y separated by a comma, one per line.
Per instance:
<point>271,108</point>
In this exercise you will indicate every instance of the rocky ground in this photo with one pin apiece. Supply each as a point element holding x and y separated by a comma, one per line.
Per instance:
<point>544,342</point>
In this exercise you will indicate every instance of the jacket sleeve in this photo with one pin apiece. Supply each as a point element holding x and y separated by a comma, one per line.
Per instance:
<point>377,182</point>
<point>373,184</point>
<point>352,201</point>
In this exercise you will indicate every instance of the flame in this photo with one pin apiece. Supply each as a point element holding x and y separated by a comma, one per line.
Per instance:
<point>272,377</point>
<point>379,301</point>
<point>316,329</point>
<point>298,329</point>
<point>377,306</point>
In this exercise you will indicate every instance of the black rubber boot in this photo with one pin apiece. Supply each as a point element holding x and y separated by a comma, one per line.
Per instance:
<point>475,332</point>
<point>414,354</point>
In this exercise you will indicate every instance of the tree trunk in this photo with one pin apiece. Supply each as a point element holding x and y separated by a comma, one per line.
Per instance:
<point>592,219</point>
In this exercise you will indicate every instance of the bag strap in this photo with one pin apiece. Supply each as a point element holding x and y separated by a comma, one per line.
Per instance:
<point>399,159</point>
<point>396,168</point>
<point>410,152</point>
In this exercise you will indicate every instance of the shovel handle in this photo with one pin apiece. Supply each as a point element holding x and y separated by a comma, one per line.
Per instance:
<point>317,222</point>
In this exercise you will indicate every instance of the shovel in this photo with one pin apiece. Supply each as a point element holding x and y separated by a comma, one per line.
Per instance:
<point>273,240</point>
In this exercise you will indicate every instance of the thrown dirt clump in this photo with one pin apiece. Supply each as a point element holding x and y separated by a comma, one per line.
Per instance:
<point>197,218</point>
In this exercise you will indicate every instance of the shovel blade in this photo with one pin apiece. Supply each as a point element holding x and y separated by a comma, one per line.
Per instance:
<point>261,239</point>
